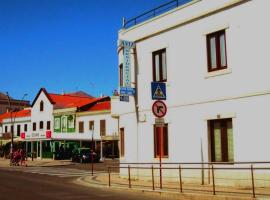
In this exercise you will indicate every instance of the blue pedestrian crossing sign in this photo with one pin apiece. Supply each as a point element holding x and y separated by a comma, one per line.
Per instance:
<point>158,90</point>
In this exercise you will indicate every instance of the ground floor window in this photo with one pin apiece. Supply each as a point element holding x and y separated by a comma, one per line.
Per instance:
<point>221,140</point>
<point>161,141</point>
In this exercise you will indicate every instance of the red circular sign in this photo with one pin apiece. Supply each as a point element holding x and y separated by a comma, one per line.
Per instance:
<point>159,109</point>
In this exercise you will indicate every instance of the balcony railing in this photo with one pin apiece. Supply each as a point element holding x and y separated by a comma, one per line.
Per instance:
<point>154,12</point>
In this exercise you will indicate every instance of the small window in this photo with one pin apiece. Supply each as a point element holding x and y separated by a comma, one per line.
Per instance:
<point>6,129</point>
<point>102,127</point>
<point>81,127</point>
<point>216,51</point>
<point>221,140</point>
<point>12,129</point>
<point>122,142</point>
<point>159,66</point>
<point>91,125</point>
<point>161,140</point>
<point>34,126</point>
<point>18,130</point>
<point>25,127</point>
<point>41,106</point>
<point>48,125</point>
<point>121,82</point>
<point>41,125</point>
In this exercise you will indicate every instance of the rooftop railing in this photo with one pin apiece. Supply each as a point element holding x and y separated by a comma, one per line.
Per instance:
<point>154,12</point>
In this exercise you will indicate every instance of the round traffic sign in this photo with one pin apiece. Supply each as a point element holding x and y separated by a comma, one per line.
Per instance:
<point>159,109</point>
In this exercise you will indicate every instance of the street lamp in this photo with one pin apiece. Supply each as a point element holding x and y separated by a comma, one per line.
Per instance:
<point>12,124</point>
<point>92,151</point>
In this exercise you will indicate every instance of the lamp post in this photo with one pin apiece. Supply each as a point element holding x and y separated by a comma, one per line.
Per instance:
<point>12,124</point>
<point>92,152</point>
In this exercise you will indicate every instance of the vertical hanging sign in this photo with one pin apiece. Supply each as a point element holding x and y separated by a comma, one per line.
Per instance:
<point>127,63</point>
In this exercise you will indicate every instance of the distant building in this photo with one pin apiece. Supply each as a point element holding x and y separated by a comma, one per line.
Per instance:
<point>14,103</point>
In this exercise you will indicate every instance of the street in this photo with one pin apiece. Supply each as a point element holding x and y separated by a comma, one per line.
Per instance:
<point>16,184</point>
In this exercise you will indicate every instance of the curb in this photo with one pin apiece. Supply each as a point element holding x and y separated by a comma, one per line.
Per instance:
<point>164,193</point>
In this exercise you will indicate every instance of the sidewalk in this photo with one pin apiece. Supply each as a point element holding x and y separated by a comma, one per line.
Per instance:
<point>190,191</point>
<point>39,163</point>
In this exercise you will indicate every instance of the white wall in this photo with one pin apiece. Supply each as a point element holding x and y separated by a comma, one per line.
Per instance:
<point>45,115</point>
<point>193,94</point>
<point>17,121</point>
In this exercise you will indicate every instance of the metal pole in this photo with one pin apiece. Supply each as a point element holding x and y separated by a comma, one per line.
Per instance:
<point>253,184</point>
<point>129,181</point>
<point>153,181</point>
<point>213,179</point>
<point>11,144</point>
<point>160,155</point>
<point>180,179</point>
<point>92,152</point>
<point>109,171</point>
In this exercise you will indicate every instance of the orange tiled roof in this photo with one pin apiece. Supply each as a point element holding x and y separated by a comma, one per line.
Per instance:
<point>17,114</point>
<point>69,101</point>
<point>105,105</point>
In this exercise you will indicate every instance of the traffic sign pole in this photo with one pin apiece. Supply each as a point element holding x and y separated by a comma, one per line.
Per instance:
<point>160,154</point>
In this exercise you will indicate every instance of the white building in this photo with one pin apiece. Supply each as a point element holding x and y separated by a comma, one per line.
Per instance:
<point>213,57</point>
<point>61,122</point>
<point>18,122</point>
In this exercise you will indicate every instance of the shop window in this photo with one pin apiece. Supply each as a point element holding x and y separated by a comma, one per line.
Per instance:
<point>216,51</point>
<point>159,66</point>
<point>161,141</point>
<point>221,140</point>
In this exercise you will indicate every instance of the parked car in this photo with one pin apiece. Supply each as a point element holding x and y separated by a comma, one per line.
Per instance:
<point>83,155</point>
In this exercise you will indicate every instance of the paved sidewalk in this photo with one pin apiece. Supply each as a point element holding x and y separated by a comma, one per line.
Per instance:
<point>39,163</point>
<point>190,191</point>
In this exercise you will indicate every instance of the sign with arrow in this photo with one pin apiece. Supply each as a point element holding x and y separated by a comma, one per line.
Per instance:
<point>159,109</point>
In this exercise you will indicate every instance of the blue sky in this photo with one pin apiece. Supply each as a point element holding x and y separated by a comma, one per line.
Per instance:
<point>62,45</point>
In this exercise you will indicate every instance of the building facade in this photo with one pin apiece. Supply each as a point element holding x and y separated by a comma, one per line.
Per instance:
<point>212,57</point>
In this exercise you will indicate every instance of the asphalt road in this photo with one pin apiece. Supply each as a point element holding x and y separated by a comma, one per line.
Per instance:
<point>18,185</point>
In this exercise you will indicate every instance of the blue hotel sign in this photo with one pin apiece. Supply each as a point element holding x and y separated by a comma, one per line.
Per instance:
<point>127,63</point>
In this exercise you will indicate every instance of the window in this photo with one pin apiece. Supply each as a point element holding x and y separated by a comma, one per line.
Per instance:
<point>122,142</point>
<point>41,125</point>
<point>6,129</point>
<point>221,140</point>
<point>159,66</point>
<point>81,127</point>
<point>216,51</point>
<point>41,106</point>
<point>91,125</point>
<point>121,82</point>
<point>25,127</point>
<point>64,123</point>
<point>102,127</point>
<point>48,125</point>
<point>18,130</point>
<point>161,140</point>
<point>34,126</point>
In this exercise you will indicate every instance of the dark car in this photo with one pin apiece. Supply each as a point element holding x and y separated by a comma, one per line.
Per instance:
<point>84,155</point>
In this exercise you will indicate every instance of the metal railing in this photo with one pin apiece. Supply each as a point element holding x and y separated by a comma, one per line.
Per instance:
<point>154,12</point>
<point>214,170</point>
